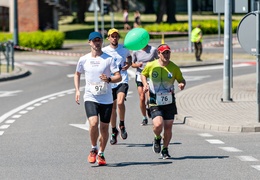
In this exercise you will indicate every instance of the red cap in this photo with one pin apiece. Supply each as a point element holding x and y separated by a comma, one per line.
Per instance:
<point>163,47</point>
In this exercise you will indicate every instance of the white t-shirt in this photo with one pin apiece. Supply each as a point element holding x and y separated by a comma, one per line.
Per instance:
<point>119,54</point>
<point>95,89</point>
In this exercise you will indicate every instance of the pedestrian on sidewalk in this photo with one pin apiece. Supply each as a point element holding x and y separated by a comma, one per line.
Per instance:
<point>162,74</point>
<point>97,67</point>
<point>140,59</point>
<point>123,60</point>
<point>196,38</point>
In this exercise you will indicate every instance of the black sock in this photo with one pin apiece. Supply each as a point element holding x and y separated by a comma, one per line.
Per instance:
<point>122,123</point>
<point>114,130</point>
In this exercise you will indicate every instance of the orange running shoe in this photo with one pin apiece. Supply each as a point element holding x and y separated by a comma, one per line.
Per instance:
<point>92,156</point>
<point>101,160</point>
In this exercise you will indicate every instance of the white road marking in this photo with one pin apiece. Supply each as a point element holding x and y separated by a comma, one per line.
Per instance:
<point>212,67</point>
<point>205,135</point>
<point>215,141</point>
<point>30,108</point>
<point>230,149</point>
<point>4,126</point>
<point>12,112</point>
<point>23,112</point>
<point>82,126</point>
<point>10,121</point>
<point>256,167</point>
<point>16,116</point>
<point>1,133</point>
<point>247,158</point>
<point>9,93</point>
<point>54,63</point>
<point>37,104</point>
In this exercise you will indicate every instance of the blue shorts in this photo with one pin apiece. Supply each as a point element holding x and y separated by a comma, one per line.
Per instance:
<point>103,110</point>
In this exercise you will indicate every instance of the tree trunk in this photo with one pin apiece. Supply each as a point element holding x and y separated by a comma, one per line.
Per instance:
<point>149,9</point>
<point>171,11</point>
<point>82,6</point>
<point>161,10</point>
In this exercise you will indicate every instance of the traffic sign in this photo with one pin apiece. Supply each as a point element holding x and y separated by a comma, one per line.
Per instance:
<point>246,33</point>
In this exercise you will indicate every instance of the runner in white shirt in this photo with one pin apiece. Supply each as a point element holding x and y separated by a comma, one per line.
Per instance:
<point>123,60</point>
<point>97,67</point>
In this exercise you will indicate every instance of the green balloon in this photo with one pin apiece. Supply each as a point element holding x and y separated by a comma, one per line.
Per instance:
<point>136,39</point>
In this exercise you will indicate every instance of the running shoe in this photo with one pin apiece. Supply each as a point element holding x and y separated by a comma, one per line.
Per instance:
<point>157,145</point>
<point>144,122</point>
<point>101,160</point>
<point>165,153</point>
<point>113,139</point>
<point>92,156</point>
<point>123,132</point>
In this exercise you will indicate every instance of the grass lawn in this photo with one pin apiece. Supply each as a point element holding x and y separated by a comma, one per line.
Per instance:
<point>79,32</point>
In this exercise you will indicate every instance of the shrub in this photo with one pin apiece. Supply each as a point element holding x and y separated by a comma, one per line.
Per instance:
<point>207,27</point>
<point>46,40</point>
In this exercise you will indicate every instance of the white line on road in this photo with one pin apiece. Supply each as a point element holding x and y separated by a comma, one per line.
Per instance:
<point>230,149</point>
<point>247,158</point>
<point>215,141</point>
<point>205,135</point>
<point>256,167</point>
<point>13,111</point>
<point>4,126</point>
<point>1,133</point>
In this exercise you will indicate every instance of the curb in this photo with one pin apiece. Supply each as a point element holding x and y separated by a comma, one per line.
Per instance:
<point>16,74</point>
<point>216,127</point>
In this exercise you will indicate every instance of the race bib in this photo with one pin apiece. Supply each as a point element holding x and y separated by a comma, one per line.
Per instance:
<point>98,88</point>
<point>138,78</point>
<point>163,98</point>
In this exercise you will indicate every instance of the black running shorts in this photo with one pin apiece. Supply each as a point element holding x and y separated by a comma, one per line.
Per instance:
<point>95,109</point>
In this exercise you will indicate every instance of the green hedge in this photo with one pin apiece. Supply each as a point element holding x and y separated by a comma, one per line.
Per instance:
<point>46,40</point>
<point>207,27</point>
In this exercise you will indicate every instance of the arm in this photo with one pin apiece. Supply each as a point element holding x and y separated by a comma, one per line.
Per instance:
<point>128,63</point>
<point>144,81</point>
<point>77,85</point>
<point>113,79</point>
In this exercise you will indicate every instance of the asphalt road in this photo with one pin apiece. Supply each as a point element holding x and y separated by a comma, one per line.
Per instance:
<point>43,135</point>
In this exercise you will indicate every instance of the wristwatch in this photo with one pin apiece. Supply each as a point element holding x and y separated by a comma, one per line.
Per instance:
<point>109,79</point>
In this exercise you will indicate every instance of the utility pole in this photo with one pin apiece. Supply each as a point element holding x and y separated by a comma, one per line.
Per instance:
<point>16,37</point>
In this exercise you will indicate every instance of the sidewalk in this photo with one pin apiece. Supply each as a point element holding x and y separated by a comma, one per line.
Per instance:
<point>201,106</point>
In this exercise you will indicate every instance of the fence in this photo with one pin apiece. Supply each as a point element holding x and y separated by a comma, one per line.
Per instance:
<point>6,57</point>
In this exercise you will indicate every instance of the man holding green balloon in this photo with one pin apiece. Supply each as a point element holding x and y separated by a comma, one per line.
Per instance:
<point>123,60</point>
<point>162,74</point>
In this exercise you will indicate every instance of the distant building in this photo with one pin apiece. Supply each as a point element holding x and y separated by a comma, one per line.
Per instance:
<point>33,15</point>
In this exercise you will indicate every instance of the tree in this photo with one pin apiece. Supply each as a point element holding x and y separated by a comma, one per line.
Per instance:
<point>81,9</point>
<point>168,7</point>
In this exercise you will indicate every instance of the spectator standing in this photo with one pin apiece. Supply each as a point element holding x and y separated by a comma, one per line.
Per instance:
<point>123,60</point>
<point>196,38</point>
<point>162,74</point>
<point>140,59</point>
<point>137,17</point>
<point>97,67</point>
<point>126,25</point>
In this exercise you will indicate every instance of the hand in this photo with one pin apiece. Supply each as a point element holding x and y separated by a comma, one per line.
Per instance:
<point>145,88</point>
<point>104,78</point>
<point>77,96</point>
<point>126,66</point>
<point>181,86</point>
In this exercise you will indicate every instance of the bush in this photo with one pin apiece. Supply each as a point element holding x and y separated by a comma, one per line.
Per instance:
<point>207,27</point>
<point>46,40</point>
